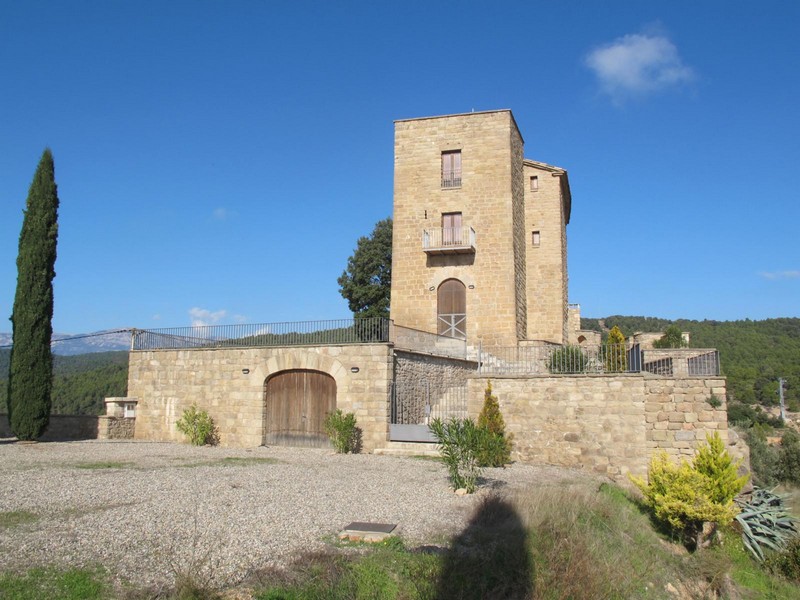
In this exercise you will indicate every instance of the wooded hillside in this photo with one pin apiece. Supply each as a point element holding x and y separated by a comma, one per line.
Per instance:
<point>754,354</point>
<point>81,382</point>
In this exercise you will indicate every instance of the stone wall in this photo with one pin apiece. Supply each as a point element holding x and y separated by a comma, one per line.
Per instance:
<point>546,261</point>
<point>115,428</point>
<point>410,368</point>
<point>610,424</point>
<point>229,384</point>
<point>61,428</point>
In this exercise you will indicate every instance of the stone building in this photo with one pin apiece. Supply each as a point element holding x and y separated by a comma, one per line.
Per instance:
<point>480,245</point>
<point>479,292</point>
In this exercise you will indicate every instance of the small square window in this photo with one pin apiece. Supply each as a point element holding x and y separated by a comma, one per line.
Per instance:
<point>535,238</point>
<point>451,169</point>
<point>534,183</point>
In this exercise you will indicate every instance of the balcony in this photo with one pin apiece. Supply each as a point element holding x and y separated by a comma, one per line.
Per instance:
<point>449,240</point>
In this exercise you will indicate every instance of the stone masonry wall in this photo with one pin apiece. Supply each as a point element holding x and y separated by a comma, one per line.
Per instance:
<point>518,208</point>
<point>168,381</point>
<point>61,428</point>
<point>604,423</point>
<point>410,368</point>
<point>115,428</point>
<point>546,262</point>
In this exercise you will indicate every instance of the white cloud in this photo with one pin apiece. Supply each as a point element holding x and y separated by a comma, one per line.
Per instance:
<point>780,275</point>
<point>638,64</point>
<point>220,214</point>
<point>202,317</point>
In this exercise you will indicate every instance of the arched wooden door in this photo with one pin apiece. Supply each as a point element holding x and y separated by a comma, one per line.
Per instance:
<point>452,309</point>
<point>297,402</point>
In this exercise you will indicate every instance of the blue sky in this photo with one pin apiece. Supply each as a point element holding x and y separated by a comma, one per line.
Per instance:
<point>217,161</point>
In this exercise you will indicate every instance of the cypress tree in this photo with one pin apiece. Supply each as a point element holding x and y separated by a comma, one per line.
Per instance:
<point>30,377</point>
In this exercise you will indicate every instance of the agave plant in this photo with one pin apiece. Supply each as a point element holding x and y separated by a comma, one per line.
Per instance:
<point>765,523</point>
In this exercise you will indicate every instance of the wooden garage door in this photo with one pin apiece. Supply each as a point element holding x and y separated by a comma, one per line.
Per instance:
<point>296,404</point>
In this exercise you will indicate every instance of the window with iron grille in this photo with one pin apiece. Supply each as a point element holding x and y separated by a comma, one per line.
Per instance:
<point>451,169</point>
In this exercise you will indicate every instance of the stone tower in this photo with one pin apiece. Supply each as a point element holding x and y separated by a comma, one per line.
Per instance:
<point>479,243</point>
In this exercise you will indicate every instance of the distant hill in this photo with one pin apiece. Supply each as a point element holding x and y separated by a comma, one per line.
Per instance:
<point>67,344</point>
<point>754,354</point>
<point>80,382</point>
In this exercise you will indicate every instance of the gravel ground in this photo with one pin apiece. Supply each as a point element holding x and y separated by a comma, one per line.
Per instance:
<point>173,508</point>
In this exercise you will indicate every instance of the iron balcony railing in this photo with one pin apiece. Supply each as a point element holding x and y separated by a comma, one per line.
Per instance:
<point>546,359</point>
<point>449,240</point>
<point>302,333</point>
<point>451,179</point>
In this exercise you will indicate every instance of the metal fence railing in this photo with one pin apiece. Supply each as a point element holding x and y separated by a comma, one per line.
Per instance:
<point>300,333</point>
<point>582,360</point>
<point>448,237</point>
<point>419,402</point>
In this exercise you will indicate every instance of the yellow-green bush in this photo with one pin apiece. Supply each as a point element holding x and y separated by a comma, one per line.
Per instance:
<point>687,494</point>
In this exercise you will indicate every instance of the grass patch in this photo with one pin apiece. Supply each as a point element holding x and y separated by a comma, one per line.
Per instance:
<point>231,461</point>
<point>17,517</point>
<point>103,464</point>
<point>748,574</point>
<point>429,458</point>
<point>72,584</point>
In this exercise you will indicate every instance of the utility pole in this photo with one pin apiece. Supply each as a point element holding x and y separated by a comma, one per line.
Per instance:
<point>781,381</point>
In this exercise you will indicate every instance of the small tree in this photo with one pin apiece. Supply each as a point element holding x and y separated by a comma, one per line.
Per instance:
<point>342,431</point>
<point>459,442</point>
<point>366,283</point>
<point>672,338</point>
<point>616,359</point>
<point>30,377</point>
<point>198,426</point>
<point>495,446</point>
<point>686,495</point>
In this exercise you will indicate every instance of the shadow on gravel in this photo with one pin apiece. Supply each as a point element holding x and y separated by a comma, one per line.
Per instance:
<point>490,559</point>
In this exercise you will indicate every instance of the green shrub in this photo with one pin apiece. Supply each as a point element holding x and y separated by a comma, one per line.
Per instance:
<point>789,457</point>
<point>746,416</point>
<point>764,459</point>
<point>567,359</point>
<point>198,426</point>
<point>786,562</point>
<point>714,401</point>
<point>614,353</point>
<point>495,446</point>
<point>341,429</point>
<point>717,465</point>
<point>459,443</point>
<point>672,338</point>
<point>686,495</point>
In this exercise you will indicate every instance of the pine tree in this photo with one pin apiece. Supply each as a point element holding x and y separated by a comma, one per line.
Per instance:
<point>30,377</point>
<point>616,358</point>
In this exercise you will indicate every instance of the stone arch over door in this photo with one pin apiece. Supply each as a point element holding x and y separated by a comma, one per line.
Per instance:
<point>451,309</point>
<point>295,404</point>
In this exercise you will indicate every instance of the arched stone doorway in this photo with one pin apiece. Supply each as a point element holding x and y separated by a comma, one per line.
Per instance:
<point>296,403</point>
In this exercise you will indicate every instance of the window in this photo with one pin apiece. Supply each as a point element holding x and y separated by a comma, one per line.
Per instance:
<point>130,410</point>
<point>535,238</point>
<point>534,183</point>
<point>451,229</point>
<point>451,169</point>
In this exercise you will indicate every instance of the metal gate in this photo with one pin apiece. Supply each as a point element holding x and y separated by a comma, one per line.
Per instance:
<point>415,404</point>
